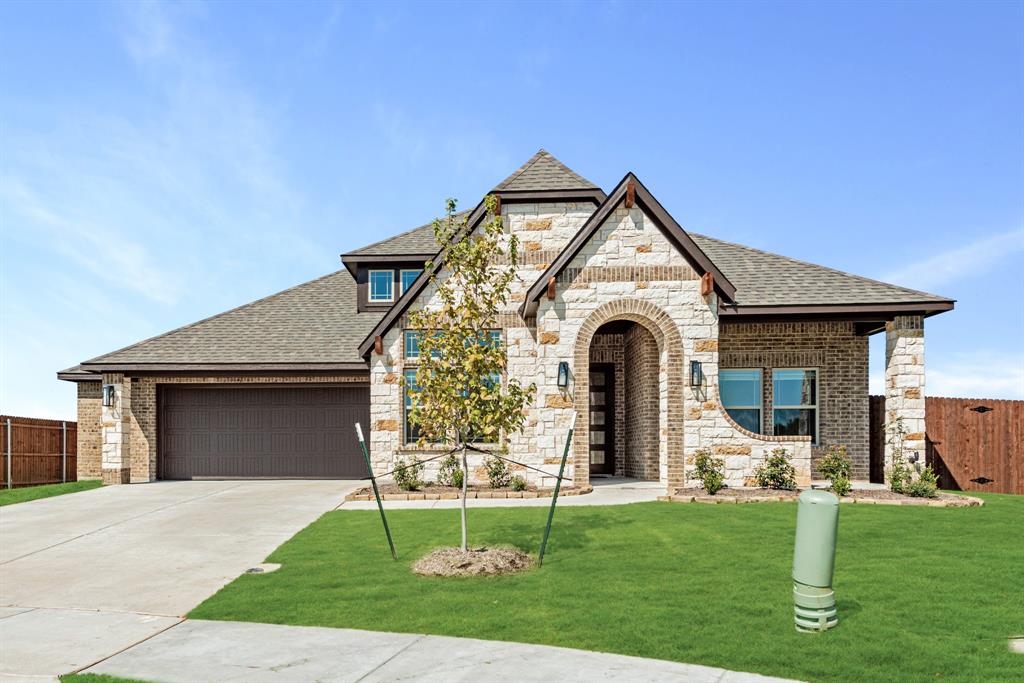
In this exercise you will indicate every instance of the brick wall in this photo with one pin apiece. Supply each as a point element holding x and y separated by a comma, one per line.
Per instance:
<point>135,424</point>
<point>90,430</point>
<point>841,358</point>
<point>642,405</point>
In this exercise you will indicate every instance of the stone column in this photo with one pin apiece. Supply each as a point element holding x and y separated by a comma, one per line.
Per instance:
<point>116,418</point>
<point>904,385</point>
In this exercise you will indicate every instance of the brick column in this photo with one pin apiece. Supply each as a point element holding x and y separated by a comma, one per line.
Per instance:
<point>116,449</point>
<point>904,384</point>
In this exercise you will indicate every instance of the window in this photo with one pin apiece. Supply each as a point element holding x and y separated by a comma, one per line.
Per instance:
<point>407,278</point>
<point>741,396</point>
<point>382,285</point>
<point>412,345</point>
<point>795,402</point>
<point>412,432</point>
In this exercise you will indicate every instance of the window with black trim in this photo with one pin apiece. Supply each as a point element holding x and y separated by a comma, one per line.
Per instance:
<point>795,402</point>
<point>381,286</point>
<point>740,389</point>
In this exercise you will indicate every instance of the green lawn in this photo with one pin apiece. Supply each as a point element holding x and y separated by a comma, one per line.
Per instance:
<point>923,593</point>
<point>12,496</point>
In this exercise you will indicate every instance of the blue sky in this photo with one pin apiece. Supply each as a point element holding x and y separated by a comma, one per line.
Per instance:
<point>163,162</point>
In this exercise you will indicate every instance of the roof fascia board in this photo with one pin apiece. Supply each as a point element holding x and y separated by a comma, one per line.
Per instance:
<point>925,307</point>
<point>595,195</point>
<point>224,367</point>
<point>404,301</point>
<point>668,225</point>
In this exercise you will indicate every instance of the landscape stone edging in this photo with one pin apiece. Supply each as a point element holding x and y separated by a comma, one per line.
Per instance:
<point>472,494</point>
<point>960,502</point>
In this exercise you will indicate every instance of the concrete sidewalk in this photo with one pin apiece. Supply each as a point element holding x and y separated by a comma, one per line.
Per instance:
<point>224,651</point>
<point>607,491</point>
<point>85,575</point>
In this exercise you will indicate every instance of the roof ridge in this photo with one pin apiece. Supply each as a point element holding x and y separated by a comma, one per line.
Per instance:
<point>99,358</point>
<point>818,265</point>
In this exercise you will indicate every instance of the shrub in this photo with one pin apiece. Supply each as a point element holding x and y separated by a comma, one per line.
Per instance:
<point>777,472</point>
<point>835,466</point>
<point>899,470</point>
<point>518,483</point>
<point>407,475</point>
<point>457,477</point>
<point>710,471</point>
<point>841,485</point>
<point>925,486</point>
<point>899,474</point>
<point>497,472</point>
<point>446,474</point>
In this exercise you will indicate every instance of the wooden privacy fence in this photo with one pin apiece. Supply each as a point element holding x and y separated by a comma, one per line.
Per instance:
<point>38,451</point>
<point>973,444</point>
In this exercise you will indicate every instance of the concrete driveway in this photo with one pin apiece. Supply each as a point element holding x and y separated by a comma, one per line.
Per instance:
<point>85,575</point>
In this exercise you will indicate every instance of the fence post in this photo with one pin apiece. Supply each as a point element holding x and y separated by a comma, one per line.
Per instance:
<point>64,452</point>
<point>9,483</point>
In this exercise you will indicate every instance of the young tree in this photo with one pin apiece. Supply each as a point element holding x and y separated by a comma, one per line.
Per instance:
<point>458,399</point>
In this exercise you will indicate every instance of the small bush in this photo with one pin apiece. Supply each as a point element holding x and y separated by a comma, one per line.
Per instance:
<point>841,485</point>
<point>408,474</point>
<point>457,477</point>
<point>710,471</point>
<point>925,486</point>
<point>446,474</point>
<point>518,483</point>
<point>899,474</point>
<point>777,472</point>
<point>498,474</point>
<point>835,466</point>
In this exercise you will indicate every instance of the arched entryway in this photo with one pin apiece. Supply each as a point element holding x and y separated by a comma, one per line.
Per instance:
<point>628,372</point>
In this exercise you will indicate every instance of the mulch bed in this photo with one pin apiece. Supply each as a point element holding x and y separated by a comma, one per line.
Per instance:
<point>473,562</point>
<point>434,492</point>
<point>861,496</point>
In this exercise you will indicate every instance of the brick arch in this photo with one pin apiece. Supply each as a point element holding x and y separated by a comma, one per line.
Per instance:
<point>670,355</point>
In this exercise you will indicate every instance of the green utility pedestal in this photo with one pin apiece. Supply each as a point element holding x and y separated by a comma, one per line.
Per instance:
<point>814,555</point>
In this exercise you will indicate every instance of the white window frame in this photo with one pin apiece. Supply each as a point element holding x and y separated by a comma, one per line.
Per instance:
<point>760,406</point>
<point>405,408</point>
<point>814,406</point>
<point>405,345</point>
<point>369,286</point>
<point>401,278</point>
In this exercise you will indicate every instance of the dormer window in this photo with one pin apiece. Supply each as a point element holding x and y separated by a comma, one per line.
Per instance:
<point>382,286</point>
<point>407,278</point>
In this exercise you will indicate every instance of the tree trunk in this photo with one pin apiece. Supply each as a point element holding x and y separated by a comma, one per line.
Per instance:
<point>465,486</point>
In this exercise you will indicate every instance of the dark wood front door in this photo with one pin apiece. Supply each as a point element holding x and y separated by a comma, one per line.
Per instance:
<point>602,418</point>
<point>253,432</point>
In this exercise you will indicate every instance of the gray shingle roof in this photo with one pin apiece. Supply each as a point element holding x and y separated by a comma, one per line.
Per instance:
<point>765,279</point>
<point>315,322</point>
<point>416,241</point>
<point>544,172</point>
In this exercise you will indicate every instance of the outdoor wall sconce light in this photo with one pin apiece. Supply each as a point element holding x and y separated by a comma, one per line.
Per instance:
<point>563,375</point>
<point>696,374</point>
<point>108,395</point>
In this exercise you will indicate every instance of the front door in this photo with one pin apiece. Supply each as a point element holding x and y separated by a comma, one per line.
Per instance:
<point>602,421</point>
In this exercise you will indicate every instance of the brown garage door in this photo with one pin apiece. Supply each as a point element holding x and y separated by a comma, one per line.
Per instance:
<point>261,432</point>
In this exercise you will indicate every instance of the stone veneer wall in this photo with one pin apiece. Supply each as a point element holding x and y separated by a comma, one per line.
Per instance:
<point>642,404</point>
<point>608,348</point>
<point>127,437</point>
<point>627,271</point>
<point>904,384</point>
<point>839,355</point>
<point>90,430</point>
<point>542,229</point>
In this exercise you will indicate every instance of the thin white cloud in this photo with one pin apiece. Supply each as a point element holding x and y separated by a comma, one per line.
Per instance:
<point>969,375</point>
<point>945,267</point>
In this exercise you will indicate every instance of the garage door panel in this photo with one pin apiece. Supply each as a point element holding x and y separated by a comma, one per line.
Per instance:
<point>265,432</point>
